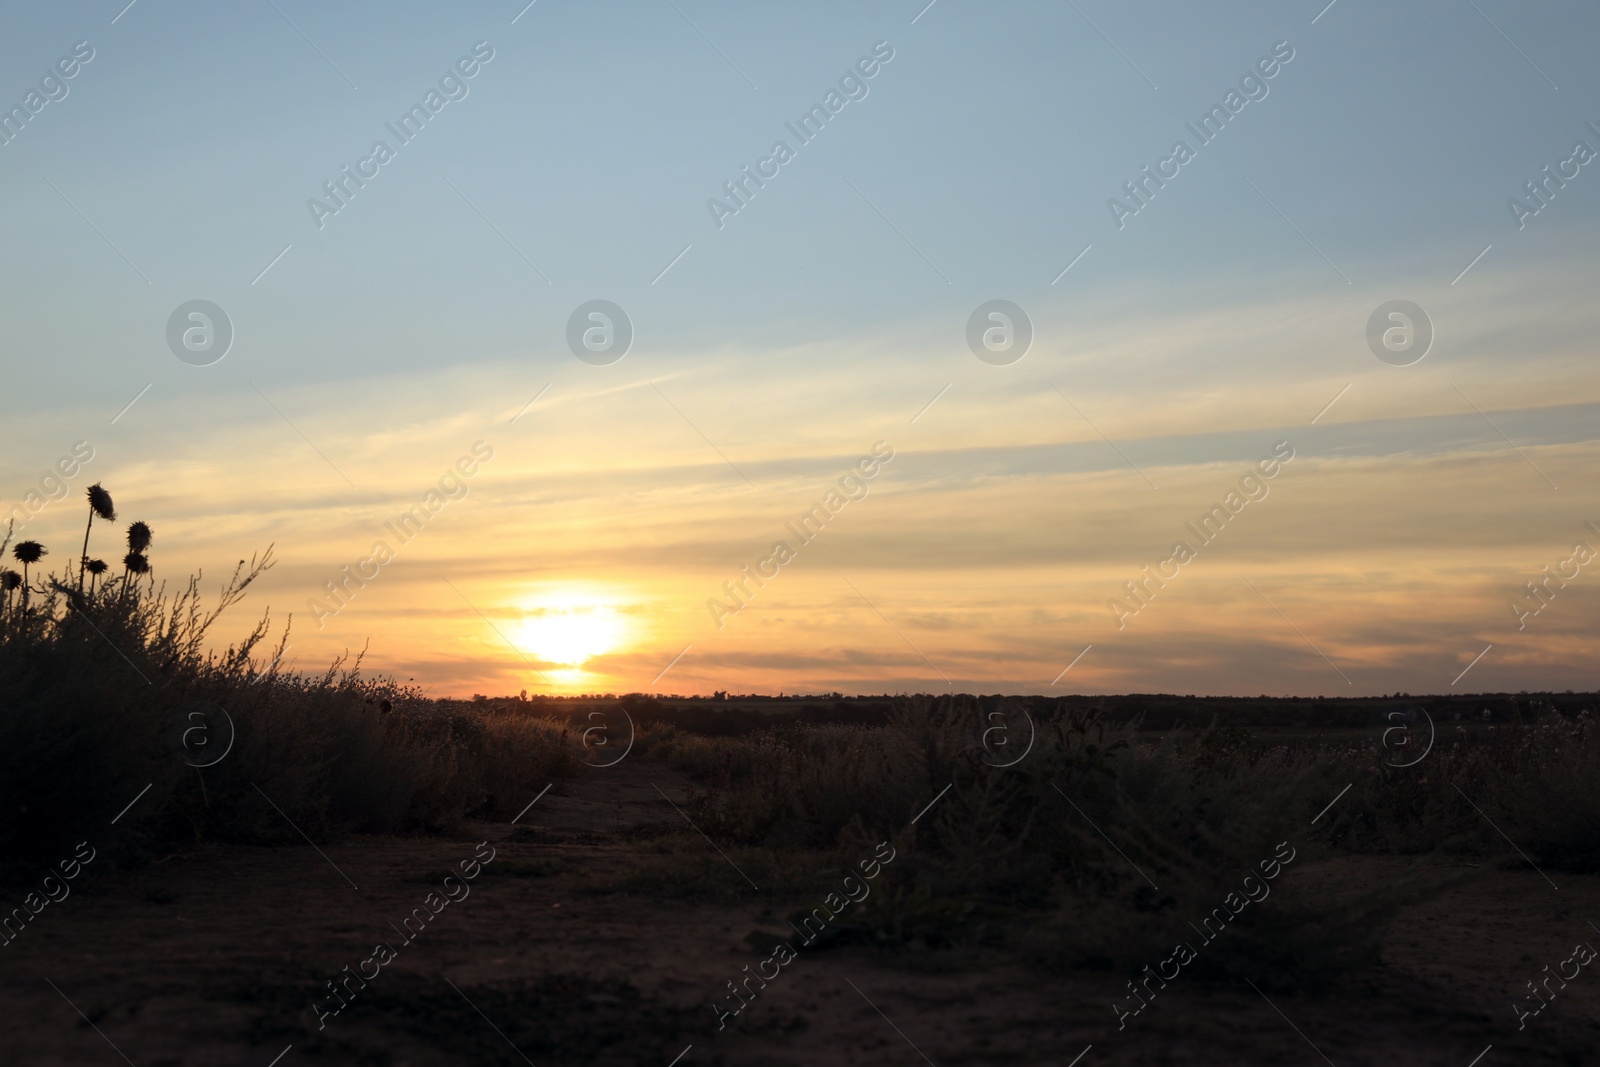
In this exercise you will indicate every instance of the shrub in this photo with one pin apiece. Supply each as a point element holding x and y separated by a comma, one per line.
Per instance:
<point>109,688</point>
<point>1531,780</point>
<point>1064,848</point>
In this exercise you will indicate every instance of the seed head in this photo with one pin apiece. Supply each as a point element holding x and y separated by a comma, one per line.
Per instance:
<point>100,502</point>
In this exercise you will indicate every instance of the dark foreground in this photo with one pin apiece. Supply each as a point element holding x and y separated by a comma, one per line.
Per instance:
<point>605,927</point>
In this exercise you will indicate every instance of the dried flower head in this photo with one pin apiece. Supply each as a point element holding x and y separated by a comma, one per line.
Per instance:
<point>100,502</point>
<point>95,566</point>
<point>136,563</point>
<point>29,551</point>
<point>9,580</point>
<point>138,536</point>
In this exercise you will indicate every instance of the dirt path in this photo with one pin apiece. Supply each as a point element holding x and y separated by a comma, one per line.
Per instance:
<point>605,925</point>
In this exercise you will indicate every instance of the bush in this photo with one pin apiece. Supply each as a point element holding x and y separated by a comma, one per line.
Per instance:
<point>1063,850</point>
<point>1532,779</point>
<point>108,689</point>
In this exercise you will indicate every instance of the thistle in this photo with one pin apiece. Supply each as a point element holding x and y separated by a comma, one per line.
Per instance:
<point>95,567</point>
<point>99,504</point>
<point>27,552</point>
<point>138,537</point>
<point>133,563</point>
<point>9,580</point>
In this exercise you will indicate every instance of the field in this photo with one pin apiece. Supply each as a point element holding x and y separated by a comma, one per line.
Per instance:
<point>641,880</point>
<point>227,864</point>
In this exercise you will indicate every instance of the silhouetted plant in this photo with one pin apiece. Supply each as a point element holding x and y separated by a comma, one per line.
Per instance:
<point>95,567</point>
<point>133,563</point>
<point>27,553</point>
<point>138,536</point>
<point>99,504</point>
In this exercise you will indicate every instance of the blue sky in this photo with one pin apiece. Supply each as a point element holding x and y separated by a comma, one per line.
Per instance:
<point>829,310</point>
<point>992,141</point>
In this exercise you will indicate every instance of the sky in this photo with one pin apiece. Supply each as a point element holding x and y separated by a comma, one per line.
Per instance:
<point>594,510</point>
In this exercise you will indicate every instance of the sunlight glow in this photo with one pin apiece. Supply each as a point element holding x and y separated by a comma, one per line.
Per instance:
<point>570,628</point>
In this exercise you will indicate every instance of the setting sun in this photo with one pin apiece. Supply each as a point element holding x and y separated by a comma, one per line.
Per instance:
<point>569,629</point>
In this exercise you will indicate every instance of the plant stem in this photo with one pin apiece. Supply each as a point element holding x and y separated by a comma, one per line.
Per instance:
<point>83,562</point>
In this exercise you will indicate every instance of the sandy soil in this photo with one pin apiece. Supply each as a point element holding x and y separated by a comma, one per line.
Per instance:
<point>565,953</point>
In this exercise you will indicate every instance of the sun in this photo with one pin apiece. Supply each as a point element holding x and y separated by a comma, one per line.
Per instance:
<point>570,628</point>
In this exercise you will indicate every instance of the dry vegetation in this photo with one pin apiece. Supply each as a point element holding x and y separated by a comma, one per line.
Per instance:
<point>109,686</point>
<point>1189,811</point>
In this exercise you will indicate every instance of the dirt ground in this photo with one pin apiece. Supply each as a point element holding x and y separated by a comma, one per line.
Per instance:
<point>606,925</point>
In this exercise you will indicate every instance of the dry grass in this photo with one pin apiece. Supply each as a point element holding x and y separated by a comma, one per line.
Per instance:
<point>112,688</point>
<point>1064,852</point>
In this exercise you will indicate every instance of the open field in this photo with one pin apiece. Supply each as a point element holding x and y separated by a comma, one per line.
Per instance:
<point>606,926</point>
